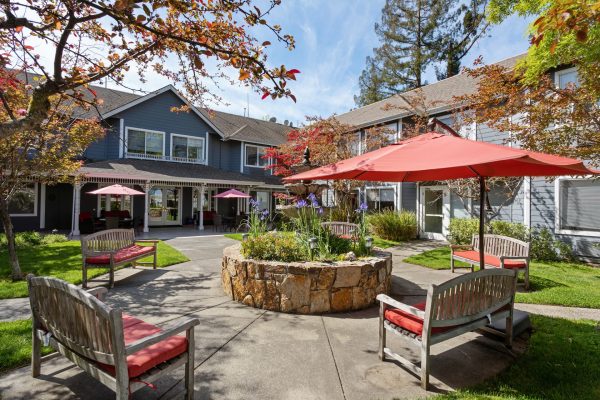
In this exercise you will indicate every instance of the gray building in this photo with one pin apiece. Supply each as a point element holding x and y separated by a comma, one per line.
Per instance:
<point>568,207</point>
<point>180,160</point>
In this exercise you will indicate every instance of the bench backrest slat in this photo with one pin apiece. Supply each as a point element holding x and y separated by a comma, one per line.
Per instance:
<point>107,241</point>
<point>498,246</point>
<point>340,228</point>
<point>74,317</point>
<point>472,296</point>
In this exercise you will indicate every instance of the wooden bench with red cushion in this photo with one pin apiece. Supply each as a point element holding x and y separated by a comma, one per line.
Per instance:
<point>463,304</point>
<point>500,252</point>
<point>122,352</point>
<point>112,248</point>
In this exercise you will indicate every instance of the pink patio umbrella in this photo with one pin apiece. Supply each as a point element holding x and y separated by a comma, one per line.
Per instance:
<point>232,194</point>
<point>118,190</point>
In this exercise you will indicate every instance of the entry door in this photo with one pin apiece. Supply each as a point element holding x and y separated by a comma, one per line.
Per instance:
<point>434,212</point>
<point>164,206</point>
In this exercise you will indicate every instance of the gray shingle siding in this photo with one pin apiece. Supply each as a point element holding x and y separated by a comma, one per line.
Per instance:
<point>490,135</point>
<point>107,147</point>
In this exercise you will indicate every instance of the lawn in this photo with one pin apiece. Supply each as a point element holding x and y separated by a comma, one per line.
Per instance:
<point>559,283</point>
<point>63,260</point>
<point>561,363</point>
<point>377,241</point>
<point>15,344</point>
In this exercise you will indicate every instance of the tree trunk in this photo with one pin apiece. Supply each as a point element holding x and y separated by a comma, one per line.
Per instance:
<point>10,240</point>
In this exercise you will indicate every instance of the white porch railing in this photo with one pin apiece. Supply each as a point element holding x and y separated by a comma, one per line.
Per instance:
<point>165,158</point>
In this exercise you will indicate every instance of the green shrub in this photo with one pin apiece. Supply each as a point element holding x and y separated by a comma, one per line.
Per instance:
<point>54,238</point>
<point>32,239</point>
<point>274,247</point>
<point>393,225</point>
<point>544,247</point>
<point>461,230</point>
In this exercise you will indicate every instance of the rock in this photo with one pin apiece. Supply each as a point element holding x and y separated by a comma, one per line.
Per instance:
<point>249,301</point>
<point>296,288</point>
<point>360,298</point>
<point>271,300</point>
<point>341,299</point>
<point>382,274</point>
<point>286,304</point>
<point>350,256</point>
<point>239,288</point>
<point>319,301</point>
<point>256,288</point>
<point>326,278</point>
<point>347,276</point>
<point>226,281</point>
<point>231,262</point>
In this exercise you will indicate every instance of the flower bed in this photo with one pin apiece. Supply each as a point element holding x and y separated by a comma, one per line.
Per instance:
<point>305,287</point>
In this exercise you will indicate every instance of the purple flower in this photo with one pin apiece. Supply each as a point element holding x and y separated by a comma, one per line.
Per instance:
<point>301,204</point>
<point>362,208</point>
<point>254,203</point>
<point>313,200</point>
<point>320,210</point>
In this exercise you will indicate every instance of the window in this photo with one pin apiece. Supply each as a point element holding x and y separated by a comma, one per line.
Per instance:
<point>566,77</point>
<point>255,156</point>
<point>578,202</point>
<point>381,198</point>
<point>23,202</point>
<point>145,144</point>
<point>187,148</point>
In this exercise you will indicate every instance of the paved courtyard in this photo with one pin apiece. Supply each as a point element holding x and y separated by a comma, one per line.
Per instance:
<point>244,353</point>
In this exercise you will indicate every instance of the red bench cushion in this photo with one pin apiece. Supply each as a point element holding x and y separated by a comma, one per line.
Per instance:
<point>145,359</point>
<point>121,255</point>
<point>408,321</point>
<point>490,260</point>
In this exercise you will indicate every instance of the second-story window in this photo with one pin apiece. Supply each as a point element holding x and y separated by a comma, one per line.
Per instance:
<point>255,156</point>
<point>187,148</point>
<point>145,144</point>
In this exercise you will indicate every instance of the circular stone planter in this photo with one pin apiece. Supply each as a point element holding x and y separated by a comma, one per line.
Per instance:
<point>305,287</point>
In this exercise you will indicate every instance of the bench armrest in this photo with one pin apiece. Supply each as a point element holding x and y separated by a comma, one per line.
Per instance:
<point>461,246</point>
<point>99,292</point>
<point>513,258</point>
<point>177,326</point>
<point>155,242</point>
<point>400,306</point>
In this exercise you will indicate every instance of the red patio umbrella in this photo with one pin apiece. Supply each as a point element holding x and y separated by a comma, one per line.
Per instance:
<point>435,156</point>
<point>232,194</point>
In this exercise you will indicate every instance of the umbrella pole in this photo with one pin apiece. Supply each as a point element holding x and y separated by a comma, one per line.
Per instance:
<point>481,221</point>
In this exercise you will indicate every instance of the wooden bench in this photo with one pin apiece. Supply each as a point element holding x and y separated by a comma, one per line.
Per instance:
<point>500,252</point>
<point>344,230</point>
<point>122,352</point>
<point>112,248</point>
<point>460,305</point>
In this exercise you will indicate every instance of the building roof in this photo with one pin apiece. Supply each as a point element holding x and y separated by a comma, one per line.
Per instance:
<point>246,129</point>
<point>170,172</point>
<point>439,97</point>
<point>229,126</point>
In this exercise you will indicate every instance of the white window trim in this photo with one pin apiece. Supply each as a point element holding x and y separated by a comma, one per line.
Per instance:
<point>557,229</point>
<point>392,186</point>
<point>144,130</point>
<point>204,161</point>
<point>558,74</point>
<point>35,204</point>
<point>246,145</point>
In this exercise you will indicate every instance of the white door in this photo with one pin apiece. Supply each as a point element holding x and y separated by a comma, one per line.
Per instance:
<point>164,207</point>
<point>434,212</point>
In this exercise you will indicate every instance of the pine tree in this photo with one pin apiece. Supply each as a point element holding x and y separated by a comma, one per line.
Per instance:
<point>416,34</point>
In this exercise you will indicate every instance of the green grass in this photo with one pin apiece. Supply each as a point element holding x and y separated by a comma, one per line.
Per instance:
<point>558,283</point>
<point>63,261</point>
<point>560,363</point>
<point>377,241</point>
<point>15,344</point>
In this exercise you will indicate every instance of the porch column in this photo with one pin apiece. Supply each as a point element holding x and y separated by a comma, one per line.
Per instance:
<point>247,203</point>
<point>43,206</point>
<point>239,204</point>
<point>76,207</point>
<point>201,208</point>
<point>146,201</point>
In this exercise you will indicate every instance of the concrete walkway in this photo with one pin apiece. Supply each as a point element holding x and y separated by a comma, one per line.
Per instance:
<point>244,353</point>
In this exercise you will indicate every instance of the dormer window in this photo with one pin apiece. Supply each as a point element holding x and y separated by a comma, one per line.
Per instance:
<point>142,143</point>
<point>255,156</point>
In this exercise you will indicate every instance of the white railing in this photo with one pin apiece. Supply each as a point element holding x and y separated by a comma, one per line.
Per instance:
<point>165,158</point>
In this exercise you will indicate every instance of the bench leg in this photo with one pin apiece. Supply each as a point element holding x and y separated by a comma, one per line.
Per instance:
<point>451,264</point>
<point>84,276</point>
<point>472,267</point>
<point>382,331</point>
<point>154,260</point>
<point>189,366</point>
<point>509,331</point>
<point>527,277</point>
<point>111,276</point>
<point>36,353</point>
<point>425,365</point>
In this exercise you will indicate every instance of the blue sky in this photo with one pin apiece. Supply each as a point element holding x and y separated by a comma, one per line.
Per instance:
<point>333,38</point>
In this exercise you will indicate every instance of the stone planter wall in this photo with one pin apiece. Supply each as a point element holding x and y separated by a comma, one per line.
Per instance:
<point>305,287</point>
